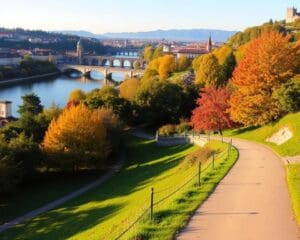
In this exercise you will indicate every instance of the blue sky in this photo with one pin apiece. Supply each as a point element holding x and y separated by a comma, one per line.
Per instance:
<point>101,16</point>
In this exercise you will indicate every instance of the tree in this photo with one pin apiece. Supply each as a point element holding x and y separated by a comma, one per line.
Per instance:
<point>31,105</point>
<point>167,65</point>
<point>128,88</point>
<point>148,53</point>
<point>158,52</point>
<point>77,139</point>
<point>226,59</point>
<point>160,102</point>
<point>183,63</point>
<point>269,61</point>
<point>209,71</point>
<point>288,96</point>
<point>211,113</point>
<point>76,95</point>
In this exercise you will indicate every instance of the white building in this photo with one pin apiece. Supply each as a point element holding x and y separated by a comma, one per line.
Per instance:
<point>5,112</point>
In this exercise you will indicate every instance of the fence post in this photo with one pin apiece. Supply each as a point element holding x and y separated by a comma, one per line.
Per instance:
<point>199,174</point>
<point>213,161</point>
<point>151,204</point>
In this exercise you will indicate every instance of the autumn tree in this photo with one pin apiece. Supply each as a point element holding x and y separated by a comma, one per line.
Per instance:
<point>167,65</point>
<point>129,87</point>
<point>183,63</point>
<point>76,95</point>
<point>226,59</point>
<point>269,61</point>
<point>208,71</point>
<point>77,139</point>
<point>158,52</point>
<point>211,113</point>
<point>148,53</point>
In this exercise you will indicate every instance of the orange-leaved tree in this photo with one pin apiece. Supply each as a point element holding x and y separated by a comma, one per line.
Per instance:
<point>269,61</point>
<point>77,139</point>
<point>212,111</point>
<point>129,87</point>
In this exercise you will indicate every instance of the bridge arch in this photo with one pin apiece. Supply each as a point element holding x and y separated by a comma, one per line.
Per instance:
<point>127,63</point>
<point>95,62</point>
<point>117,63</point>
<point>105,62</point>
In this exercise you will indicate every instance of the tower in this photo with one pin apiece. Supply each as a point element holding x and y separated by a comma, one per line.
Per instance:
<point>79,51</point>
<point>291,15</point>
<point>209,44</point>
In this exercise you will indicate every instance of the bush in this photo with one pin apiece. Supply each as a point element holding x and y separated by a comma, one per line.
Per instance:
<point>201,155</point>
<point>167,130</point>
<point>183,127</point>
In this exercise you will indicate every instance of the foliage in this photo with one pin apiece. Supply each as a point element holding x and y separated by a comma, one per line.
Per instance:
<point>183,63</point>
<point>31,105</point>
<point>162,66</point>
<point>252,33</point>
<point>183,127</point>
<point>18,159</point>
<point>128,88</point>
<point>76,95</point>
<point>77,139</point>
<point>148,53</point>
<point>288,96</point>
<point>208,71</point>
<point>167,130</point>
<point>269,62</point>
<point>156,108</point>
<point>226,59</point>
<point>158,52</point>
<point>211,113</point>
<point>201,155</point>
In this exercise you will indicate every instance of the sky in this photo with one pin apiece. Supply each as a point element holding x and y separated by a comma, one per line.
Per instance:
<point>100,16</point>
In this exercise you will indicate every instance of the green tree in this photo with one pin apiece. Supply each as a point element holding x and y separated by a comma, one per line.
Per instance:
<point>210,72</point>
<point>31,105</point>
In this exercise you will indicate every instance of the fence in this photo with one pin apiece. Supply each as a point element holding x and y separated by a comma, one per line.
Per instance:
<point>160,197</point>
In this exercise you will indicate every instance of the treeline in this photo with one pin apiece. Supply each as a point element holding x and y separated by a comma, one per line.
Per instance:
<point>251,33</point>
<point>54,140</point>
<point>28,67</point>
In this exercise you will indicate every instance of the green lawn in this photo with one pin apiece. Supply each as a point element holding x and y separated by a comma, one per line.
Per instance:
<point>293,178</point>
<point>38,193</point>
<point>105,211</point>
<point>289,148</point>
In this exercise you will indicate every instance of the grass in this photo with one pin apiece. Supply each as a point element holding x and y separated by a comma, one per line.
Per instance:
<point>106,210</point>
<point>33,195</point>
<point>293,178</point>
<point>289,148</point>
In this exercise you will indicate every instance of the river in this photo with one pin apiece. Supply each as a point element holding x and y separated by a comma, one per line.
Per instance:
<point>54,90</point>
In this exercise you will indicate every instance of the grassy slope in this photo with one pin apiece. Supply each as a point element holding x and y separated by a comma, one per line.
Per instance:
<point>32,196</point>
<point>104,211</point>
<point>289,148</point>
<point>174,214</point>
<point>293,177</point>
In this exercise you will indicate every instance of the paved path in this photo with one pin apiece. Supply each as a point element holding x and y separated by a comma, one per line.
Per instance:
<point>250,203</point>
<point>54,204</point>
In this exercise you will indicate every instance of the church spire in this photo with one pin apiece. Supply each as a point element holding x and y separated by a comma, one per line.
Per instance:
<point>209,44</point>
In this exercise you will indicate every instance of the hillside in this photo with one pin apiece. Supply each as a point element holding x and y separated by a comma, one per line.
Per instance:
<point>251,33</point>
<point>288,148</point>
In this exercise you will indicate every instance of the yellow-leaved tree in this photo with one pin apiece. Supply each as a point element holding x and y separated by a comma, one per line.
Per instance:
<point>129,88</point>
<point>77,139</point>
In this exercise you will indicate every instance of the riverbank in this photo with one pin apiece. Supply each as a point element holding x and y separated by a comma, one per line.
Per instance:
<point>23,79</point>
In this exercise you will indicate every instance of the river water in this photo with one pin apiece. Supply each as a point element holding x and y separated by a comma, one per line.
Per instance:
<point>54,90</point>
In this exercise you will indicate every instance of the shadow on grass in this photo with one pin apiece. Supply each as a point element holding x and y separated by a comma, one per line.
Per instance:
<point>145,160</point>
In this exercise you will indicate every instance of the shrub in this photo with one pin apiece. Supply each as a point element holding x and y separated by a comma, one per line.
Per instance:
<point>183,127</point>
<point>201,155</point>
<point>167,130</point>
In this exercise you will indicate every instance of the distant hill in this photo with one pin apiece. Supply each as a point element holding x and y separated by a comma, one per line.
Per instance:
<point>174,34</point>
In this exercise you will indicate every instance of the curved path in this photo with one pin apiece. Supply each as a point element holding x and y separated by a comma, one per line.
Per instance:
<point>112,170</point>
<point>250,203</point>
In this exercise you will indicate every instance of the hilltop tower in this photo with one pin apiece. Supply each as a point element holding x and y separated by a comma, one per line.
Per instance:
<point>292,15</point>
<point>79,51</point>
<point>209,44</point>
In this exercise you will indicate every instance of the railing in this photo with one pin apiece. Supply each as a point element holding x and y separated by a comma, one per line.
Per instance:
<point>159,197</point>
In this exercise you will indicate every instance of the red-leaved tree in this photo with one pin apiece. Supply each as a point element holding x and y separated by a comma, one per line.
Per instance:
<point>211,113</point>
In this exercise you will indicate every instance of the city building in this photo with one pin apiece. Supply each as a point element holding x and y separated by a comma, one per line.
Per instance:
<point>6,113</point>
<point>292,15</point>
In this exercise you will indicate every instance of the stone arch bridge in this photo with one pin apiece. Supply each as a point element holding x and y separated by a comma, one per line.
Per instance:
<point>106,71</point>
<point>111,61</point>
